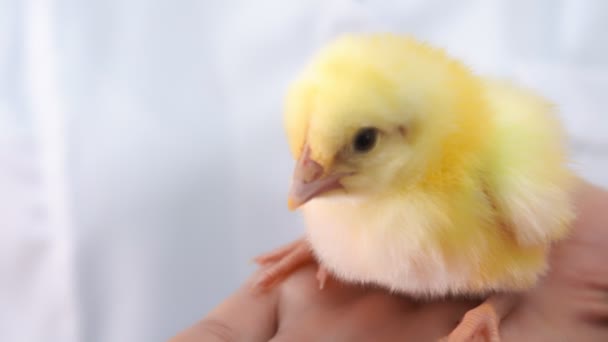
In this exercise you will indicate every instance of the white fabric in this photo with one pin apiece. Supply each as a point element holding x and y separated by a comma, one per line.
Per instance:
<point>142,157</point>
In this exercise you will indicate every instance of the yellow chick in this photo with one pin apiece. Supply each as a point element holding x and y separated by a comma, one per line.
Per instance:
<point>416,175</point>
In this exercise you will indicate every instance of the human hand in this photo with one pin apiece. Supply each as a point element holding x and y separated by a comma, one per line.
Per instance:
<point>569,304</point>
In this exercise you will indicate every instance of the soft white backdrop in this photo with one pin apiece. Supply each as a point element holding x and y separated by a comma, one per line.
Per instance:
<point>142,157</point>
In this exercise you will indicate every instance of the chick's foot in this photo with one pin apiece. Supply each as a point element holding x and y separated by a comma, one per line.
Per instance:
<point>283,261</point>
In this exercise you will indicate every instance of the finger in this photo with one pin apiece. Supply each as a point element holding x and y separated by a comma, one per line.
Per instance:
<point>243,316</point>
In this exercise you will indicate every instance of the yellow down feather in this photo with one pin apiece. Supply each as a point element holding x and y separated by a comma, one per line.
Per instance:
<point>466,189</point>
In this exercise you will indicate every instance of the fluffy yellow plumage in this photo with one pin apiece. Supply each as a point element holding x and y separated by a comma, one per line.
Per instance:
<point>417,175</point>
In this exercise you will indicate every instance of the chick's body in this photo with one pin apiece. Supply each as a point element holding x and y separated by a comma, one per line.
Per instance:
<point>465,188</point>
<point>456,233</point>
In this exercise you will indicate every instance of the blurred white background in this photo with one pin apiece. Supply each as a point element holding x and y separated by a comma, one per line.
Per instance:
<point>142,156</point>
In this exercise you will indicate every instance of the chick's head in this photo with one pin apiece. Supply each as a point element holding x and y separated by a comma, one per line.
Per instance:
<point>378,112</point>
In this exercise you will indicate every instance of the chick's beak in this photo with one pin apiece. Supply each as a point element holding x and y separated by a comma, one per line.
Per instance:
<point>309,181</point>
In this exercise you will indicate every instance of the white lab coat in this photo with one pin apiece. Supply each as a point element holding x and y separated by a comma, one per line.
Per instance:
<point>142,157</point>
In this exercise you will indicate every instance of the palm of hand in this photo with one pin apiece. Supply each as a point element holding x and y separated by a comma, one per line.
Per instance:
<point>570,304</point>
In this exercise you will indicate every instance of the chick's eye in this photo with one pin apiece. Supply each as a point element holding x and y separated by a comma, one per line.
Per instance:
<point>365,139</point>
